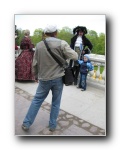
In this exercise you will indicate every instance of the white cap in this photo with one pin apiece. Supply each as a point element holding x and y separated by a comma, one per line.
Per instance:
<point>50,29</point>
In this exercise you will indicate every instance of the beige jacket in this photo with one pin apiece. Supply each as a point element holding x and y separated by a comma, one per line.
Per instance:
<point>44,66</point>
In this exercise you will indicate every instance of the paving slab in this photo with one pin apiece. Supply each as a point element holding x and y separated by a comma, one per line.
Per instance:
<point>67,124</point>
<point>89,105</point>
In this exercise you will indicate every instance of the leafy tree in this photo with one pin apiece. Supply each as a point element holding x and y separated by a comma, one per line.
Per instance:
<point>37,36</point>
<point>92,33</point>
<point>20,36</point>
<point>98,41</point>
<point>65,34</point>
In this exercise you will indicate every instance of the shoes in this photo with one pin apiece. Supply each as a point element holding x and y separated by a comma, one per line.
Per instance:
<point>52,129</point>
<point>83,90</point>
<point>79,87</point>
<point>75,82</point>
<point>25,128</point>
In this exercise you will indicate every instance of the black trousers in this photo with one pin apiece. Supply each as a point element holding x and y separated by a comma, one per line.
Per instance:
<point>76,69</point>
<point>75,65</point>
<point>76,73</point>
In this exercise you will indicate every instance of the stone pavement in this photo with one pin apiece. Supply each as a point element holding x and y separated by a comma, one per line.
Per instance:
<point>68,124</point>
<point>89,105</point>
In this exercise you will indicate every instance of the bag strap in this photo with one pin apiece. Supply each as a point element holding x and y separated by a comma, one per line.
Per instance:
<point>49,50</point>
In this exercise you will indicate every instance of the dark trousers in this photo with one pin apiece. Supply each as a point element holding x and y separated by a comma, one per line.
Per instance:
<point>75,65</point>
<point>76,73</point>
<point>76,69</point>
<point>83,83</point>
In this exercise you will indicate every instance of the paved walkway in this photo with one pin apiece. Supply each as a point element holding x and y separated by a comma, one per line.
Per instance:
<point>71,121</point>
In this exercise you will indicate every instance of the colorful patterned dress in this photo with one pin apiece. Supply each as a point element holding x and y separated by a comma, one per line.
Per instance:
<point>23,64</point>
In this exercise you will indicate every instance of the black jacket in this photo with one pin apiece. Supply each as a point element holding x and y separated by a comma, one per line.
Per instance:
<point>85,41</point>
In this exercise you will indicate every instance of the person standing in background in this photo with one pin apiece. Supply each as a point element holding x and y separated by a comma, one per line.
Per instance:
<point>23,63</point>
<point>79,43</point>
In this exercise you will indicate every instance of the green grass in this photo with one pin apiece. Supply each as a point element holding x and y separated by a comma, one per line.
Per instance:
<point>101,68</point>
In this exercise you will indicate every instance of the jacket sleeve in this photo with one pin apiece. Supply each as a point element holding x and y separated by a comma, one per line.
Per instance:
<point>90,66</point>
<point>73,40</point>
<point>67,51</point>
<point>80,62</point>
<point>88,44</point>
<point>35,65</point>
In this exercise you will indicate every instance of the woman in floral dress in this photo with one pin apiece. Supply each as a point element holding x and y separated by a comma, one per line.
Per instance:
<point>23,64</point>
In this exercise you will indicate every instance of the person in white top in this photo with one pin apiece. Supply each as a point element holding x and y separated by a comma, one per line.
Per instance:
<point>79,43</point>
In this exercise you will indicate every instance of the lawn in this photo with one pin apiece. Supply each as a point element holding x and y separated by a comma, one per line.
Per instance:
<point>101,68</point>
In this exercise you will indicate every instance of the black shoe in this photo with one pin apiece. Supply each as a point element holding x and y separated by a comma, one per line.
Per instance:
<point>83,90</point>
<point>25,128</point>
<point>79,87</point>
<point>52,129</point>
<point>75,83</point>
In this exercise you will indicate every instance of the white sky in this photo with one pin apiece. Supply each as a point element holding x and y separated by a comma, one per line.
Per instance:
<point>32,22</point>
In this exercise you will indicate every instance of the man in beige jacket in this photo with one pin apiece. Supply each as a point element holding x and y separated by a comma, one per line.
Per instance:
<point>49,74</point>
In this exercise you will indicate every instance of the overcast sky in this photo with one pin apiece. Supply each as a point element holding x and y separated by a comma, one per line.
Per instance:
<point>32,22</point>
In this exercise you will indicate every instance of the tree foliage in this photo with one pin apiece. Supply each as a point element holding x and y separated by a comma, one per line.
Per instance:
<point>20,36</point>
<point>37,36</point>
<point>98,41</point>
<point>65,34</point>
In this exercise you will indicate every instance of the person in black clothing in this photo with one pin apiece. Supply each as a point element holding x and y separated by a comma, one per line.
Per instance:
<point>79,43</point>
